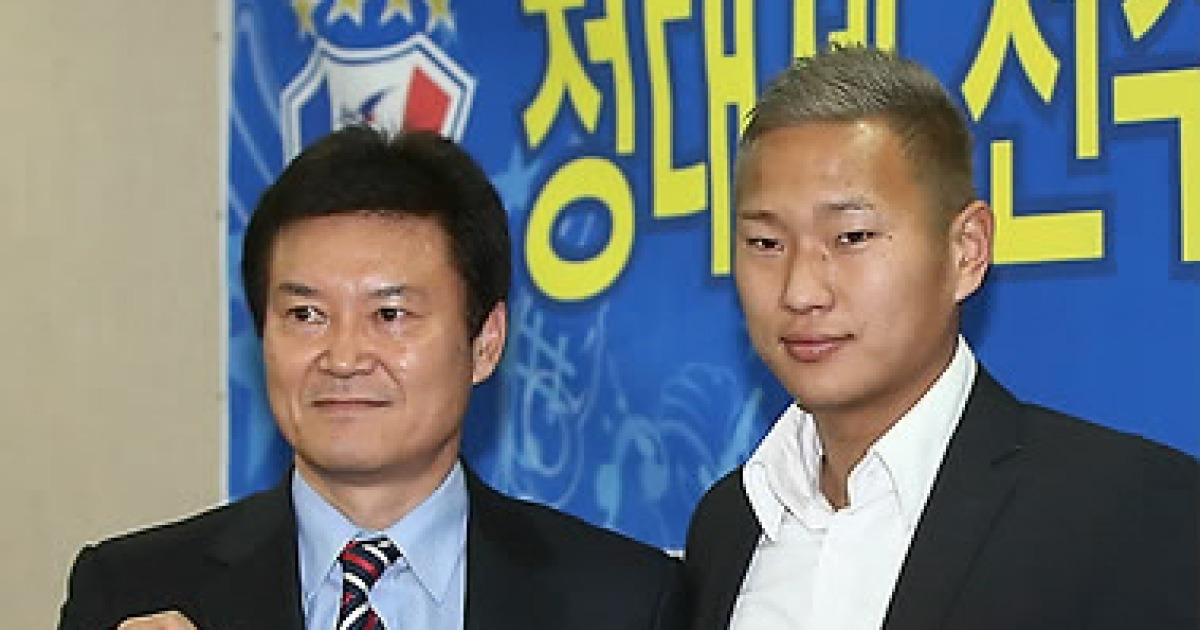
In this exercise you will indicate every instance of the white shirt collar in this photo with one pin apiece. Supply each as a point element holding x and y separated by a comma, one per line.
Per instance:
<point>782,476</point>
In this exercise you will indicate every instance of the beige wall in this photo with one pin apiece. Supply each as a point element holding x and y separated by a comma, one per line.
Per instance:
<point>110,320</point>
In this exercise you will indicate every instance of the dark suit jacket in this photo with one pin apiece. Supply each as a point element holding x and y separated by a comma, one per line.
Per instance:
<point>1035,520</point>
<point>235,567</point>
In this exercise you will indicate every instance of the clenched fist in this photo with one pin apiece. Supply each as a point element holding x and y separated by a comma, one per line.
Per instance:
<point>170,620</point>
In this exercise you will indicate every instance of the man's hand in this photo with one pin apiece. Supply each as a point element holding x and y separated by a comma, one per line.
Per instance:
<point>170,620</point>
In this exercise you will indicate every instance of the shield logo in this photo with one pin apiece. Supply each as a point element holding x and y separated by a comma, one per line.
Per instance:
<point>409,85</point>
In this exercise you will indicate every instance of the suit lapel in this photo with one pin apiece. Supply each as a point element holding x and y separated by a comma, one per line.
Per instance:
<point>506,583</point>
<point>716,587</point>
<point>973,485</point>
<point>258,585</point>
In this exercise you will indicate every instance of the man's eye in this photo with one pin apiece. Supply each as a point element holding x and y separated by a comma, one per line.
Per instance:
<point>763,243</point>
<point>390,313</point>
<point>856,237</point>
<point>305,314</point>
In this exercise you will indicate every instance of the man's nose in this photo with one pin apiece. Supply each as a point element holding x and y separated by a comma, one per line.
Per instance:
<point>809,282</point>
<point>347,352</point>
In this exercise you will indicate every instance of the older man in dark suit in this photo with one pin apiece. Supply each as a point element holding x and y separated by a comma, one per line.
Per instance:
<point>377,270</point>
<point>905,488</point>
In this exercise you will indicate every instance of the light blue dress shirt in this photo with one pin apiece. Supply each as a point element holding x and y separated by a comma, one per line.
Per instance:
<point>424,589</point>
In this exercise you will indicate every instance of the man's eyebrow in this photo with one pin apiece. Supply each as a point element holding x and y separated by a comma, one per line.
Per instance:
<point>296,289</point>
<point>755,215</point>
<point>300,289</point>
<point>390,291</point>
<point>850,205</point>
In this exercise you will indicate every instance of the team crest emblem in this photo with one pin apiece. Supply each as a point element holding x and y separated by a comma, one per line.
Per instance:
<point>409,85</point>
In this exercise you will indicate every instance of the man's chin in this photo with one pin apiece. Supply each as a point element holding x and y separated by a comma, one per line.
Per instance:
<point>820,401</point>
<point>342,467</point>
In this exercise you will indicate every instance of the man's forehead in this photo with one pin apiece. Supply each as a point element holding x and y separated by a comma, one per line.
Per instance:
<point>850,204</point>
<point>397,218</point>
<point>382,255</point>
<point>358,234</point>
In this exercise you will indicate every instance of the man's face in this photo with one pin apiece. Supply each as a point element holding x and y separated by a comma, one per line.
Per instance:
<point>848,280</point>
<point>368,359</point>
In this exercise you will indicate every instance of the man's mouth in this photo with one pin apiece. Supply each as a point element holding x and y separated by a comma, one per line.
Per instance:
<point>349,403</point>
<point>809,348</point>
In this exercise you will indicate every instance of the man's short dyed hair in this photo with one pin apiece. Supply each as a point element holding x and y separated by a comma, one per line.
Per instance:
<point>854,83</point>
<point>364,170</point>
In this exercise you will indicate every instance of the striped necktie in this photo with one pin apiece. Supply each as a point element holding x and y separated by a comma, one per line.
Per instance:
<point>363,561</point>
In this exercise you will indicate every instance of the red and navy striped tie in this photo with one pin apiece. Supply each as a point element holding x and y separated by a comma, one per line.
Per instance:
<point>363,561</point>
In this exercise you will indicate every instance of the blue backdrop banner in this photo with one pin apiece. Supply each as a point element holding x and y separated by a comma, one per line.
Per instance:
<point>609,126</point>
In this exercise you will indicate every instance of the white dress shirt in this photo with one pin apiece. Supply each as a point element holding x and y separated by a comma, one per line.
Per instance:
<point>818,568</point>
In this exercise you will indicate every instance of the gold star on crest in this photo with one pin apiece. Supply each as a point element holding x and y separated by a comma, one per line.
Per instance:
<point>403,8</point>
<point>439,12</point>
<point>352,9</point>
<point>304,15</point>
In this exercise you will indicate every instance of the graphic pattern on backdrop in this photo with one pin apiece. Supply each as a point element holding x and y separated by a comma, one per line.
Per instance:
<point>609,127</point>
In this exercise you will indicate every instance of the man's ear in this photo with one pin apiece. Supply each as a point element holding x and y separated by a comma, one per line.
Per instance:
<point>971,234</point>
<point>488,345</point>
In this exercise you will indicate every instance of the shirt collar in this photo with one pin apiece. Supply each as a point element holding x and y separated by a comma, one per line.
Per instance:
<point>432,537</point>
<point>782,475</point>
<point>913,448</point>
